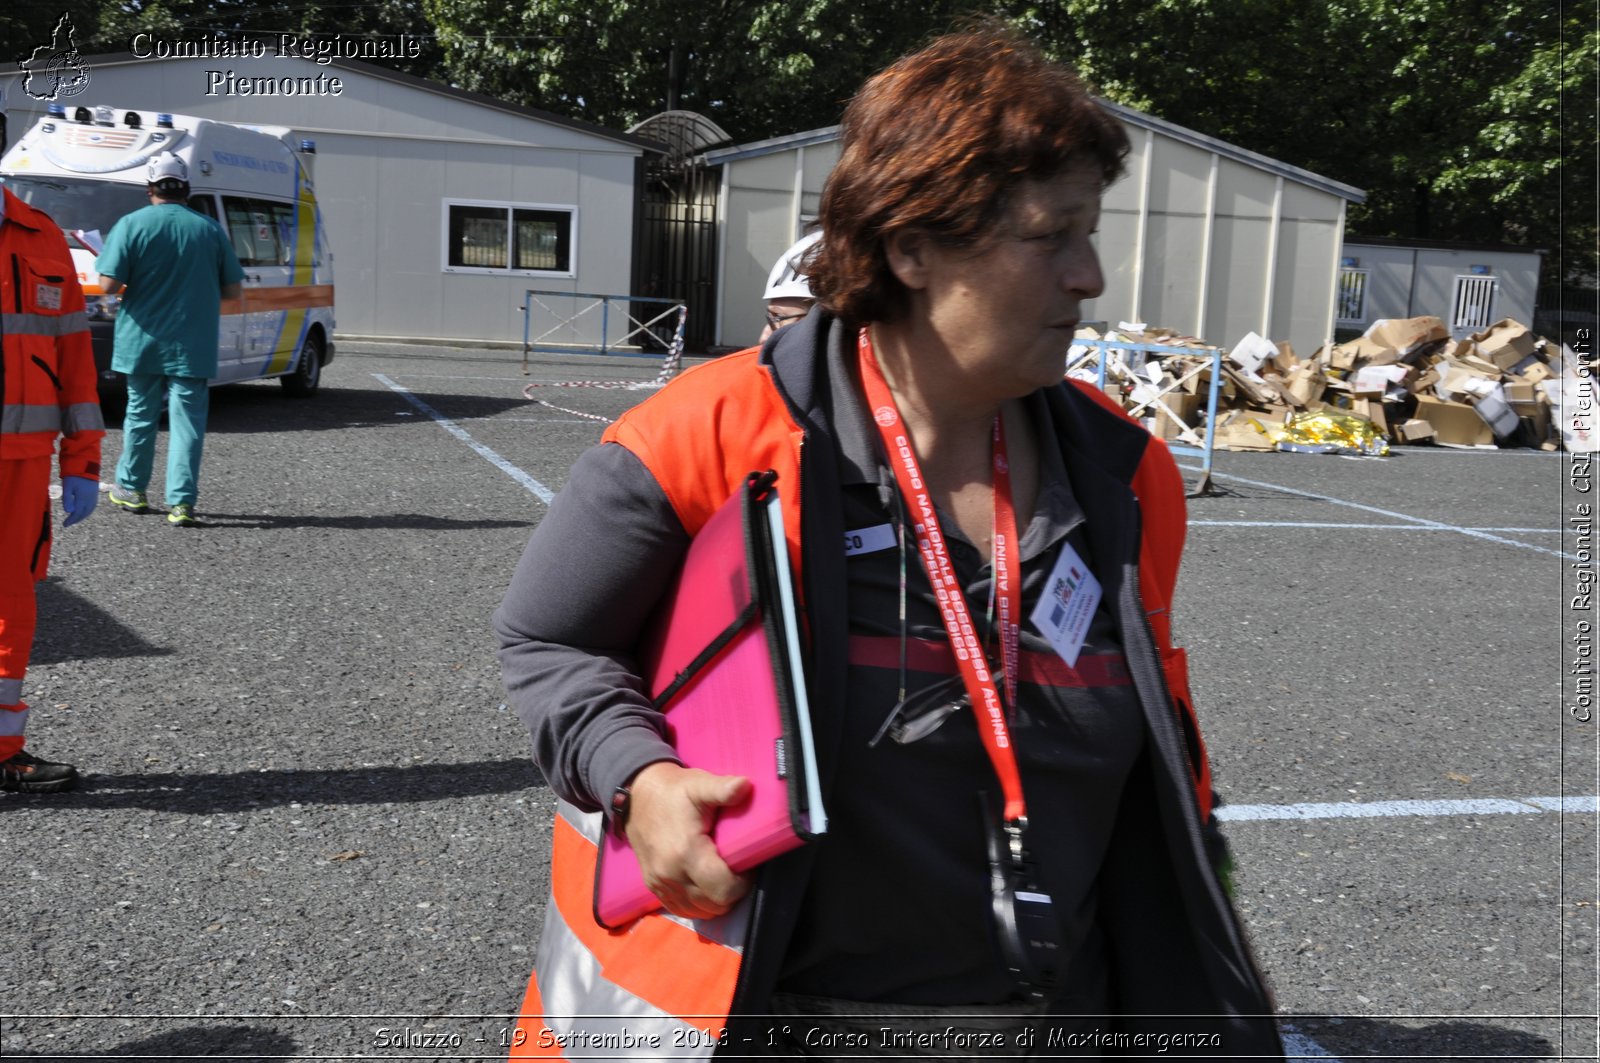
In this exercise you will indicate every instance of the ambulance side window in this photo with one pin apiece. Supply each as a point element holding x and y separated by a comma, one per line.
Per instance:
<point>204,203</point>
<point>253,228</point>
<point>283,222</point>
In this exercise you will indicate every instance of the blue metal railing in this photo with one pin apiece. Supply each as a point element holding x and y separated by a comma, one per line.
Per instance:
<point>656,329</point>
<point>1099,350</point>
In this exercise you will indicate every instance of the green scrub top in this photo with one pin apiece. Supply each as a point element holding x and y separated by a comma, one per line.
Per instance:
<point>175,263</point>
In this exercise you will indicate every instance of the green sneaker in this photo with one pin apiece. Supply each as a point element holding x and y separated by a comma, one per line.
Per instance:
<point>132,501</point>
<point>182,515</point>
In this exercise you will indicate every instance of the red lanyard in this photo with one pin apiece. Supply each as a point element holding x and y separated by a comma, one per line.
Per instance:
<point>947,588</point>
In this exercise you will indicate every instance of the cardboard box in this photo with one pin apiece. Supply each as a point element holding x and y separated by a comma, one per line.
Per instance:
<point>1235,431</point>
<point>1254,388</point>
<point>1461,384</point>
<point>1285,361</point>
<point>1424,381</point>
<point>1524,365</point>
<point>1413,431</point>
<point>1406,336</point>
<point>1366,351</point>
<point>1371,410</point>
<point>1283,395</point>
<point>1305,383</point>
<point>1520,391</point>
<point>1454,422</point>
<point>1496,413</point>
<point>1274,414</point>
<point>1505,343</point>
<point>1533,418</point>
<point>1342,356</point>
<point>1378,379</point>
<point>1251,352</point>
<point>1536,372</point>
<point>1183,406</point>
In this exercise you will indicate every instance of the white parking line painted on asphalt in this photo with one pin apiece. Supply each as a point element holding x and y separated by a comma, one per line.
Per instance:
<point>539,490</point>
<point>1420,521</point>
<point>1361,527</point>
<point>1483,806</point>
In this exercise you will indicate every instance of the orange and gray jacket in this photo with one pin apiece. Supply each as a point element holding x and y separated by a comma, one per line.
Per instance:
<point>602,557</point>
<point>47,372</point>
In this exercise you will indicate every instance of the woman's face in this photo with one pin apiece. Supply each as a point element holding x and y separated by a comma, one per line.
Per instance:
<point>1006,311</point>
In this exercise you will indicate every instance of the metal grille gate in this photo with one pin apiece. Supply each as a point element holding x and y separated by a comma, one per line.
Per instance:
<point>675,245</point>
<point>1474,304</point>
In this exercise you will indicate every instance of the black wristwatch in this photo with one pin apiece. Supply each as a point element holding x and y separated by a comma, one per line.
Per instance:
<point>621,802</point>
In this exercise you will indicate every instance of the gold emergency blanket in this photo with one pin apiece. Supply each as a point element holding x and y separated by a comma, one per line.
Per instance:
<point>1328,432</point>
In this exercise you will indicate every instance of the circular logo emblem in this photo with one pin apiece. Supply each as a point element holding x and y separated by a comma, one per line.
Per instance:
<point>1001,463</point>
<point>885,416</point>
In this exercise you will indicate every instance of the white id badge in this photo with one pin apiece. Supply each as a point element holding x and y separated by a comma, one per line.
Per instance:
<point>1067,605</point>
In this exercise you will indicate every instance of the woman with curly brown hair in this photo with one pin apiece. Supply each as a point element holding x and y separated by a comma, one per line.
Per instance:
<point>1021,854</point>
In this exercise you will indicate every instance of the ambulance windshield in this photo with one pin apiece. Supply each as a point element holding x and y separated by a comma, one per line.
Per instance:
<point>75,203</point>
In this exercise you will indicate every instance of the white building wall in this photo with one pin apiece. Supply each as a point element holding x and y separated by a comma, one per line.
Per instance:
<point>389,155</point>
<point>1405,281</point>
<point>1193,239</point>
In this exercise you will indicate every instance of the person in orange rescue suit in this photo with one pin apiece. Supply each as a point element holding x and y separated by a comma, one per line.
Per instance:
<point>1044,880</point>
<point>47,393</point>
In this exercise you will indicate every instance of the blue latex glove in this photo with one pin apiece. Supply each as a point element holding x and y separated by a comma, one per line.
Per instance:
<point>79,496</point>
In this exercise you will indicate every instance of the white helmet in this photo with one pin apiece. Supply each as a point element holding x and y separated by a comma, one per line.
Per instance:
<point>167,167</point>
<point>786,281</point>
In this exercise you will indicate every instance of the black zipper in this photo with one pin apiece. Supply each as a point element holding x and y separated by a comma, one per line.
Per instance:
<point>38,547</point>
<point>51,373</point>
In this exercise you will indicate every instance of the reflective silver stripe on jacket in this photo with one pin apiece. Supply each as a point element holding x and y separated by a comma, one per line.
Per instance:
<point>593,1017</point>
<point>82,417</point>
<point>49,325</point>
<point>22,419</point>
<point>12,723</point>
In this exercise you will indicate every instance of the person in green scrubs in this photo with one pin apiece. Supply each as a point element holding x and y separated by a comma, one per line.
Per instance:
<point>173,268</point>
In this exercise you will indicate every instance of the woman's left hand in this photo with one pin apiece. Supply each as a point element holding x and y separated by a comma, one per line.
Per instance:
<point>669,827</point>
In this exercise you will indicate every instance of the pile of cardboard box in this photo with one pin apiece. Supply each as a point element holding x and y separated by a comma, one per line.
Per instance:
<point>1503,386</point>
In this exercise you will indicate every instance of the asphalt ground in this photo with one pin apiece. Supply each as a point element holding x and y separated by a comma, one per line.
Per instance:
<point>308,828</point>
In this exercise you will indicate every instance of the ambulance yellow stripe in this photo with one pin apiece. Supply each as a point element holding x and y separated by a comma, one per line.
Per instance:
<point>305,239</point>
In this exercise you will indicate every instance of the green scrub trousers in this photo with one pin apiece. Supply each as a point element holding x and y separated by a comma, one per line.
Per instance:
<point>188,401</point>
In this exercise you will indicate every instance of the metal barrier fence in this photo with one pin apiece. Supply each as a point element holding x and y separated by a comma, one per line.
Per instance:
<point>1193,442</point>
<point>631,341</point>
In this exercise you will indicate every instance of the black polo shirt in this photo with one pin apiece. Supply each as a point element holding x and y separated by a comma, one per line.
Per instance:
<point>898,908</point>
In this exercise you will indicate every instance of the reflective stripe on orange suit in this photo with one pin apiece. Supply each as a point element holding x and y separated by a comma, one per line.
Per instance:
<point>740,424</point>
<point>47,394</point>
<point>48,374</point>
<point>660,986</point>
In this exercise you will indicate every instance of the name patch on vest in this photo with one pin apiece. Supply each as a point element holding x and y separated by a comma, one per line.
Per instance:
<point>47,297</point>
<point>869,540</point>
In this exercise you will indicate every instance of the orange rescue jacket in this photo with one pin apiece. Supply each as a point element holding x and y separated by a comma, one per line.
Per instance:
<point>678,980</point>
<point>47,372</point>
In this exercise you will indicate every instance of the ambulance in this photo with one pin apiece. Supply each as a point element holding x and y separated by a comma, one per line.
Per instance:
<point>87,167</point>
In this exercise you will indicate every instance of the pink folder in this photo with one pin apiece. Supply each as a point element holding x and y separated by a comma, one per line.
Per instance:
<point>722,660</point>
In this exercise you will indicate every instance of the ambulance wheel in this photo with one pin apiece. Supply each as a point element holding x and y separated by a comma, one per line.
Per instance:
<point>308,370</point>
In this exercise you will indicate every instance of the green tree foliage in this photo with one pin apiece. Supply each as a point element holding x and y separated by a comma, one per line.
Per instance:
<point>119,20</point>
<point>1448,113</point>
<point>756,67</point>
<point>28,24</point>
<point>1461,119</point>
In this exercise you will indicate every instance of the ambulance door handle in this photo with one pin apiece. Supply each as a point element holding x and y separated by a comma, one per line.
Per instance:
<point>256,277</point>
